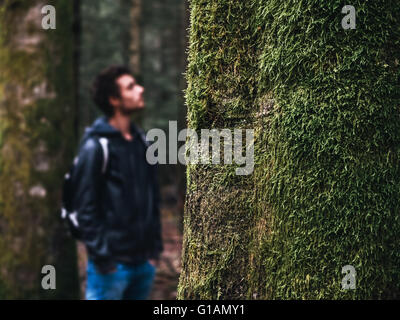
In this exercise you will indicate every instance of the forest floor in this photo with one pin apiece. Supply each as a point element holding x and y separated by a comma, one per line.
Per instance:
<point>168,271</point>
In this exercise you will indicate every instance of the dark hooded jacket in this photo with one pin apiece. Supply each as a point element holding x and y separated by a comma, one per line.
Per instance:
<point>118,211</point>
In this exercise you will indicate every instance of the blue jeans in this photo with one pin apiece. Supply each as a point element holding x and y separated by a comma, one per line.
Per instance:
<point>126,283</point>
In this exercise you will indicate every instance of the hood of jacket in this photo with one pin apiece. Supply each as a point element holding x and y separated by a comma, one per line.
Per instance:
<point>101,127</point>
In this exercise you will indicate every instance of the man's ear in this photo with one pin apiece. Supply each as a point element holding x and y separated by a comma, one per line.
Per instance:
<point>113,101</point>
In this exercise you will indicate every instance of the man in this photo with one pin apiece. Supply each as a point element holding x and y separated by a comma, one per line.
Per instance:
<point>118,206</point>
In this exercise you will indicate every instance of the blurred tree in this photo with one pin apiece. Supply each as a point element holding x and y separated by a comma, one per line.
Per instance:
<point>37,119</point>
<point>135,42</point>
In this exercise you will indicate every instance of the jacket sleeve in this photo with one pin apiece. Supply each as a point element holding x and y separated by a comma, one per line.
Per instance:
<point>91,223</point>
<point>158,243</point>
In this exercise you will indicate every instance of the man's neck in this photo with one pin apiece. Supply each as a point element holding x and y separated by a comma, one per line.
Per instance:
<point>121,123</point>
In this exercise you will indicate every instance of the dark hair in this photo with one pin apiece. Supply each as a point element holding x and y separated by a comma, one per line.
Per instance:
<point>105,86</point>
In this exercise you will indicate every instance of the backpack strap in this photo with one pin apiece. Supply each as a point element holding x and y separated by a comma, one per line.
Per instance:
<point>104,144</point>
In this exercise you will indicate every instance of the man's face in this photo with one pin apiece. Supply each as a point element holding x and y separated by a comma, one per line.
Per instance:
<point>131,95</point>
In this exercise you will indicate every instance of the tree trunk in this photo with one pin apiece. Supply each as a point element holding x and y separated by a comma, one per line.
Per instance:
<point>37,119</point>
<point>135,17</point>
<point>324,103</point>
<point>182,111</point>
<point>219,249</point>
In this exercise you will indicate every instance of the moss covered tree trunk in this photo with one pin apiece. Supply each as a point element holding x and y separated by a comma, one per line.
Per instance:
<point>37,140</point>
<point>325,192</point>
<point>218,250</point>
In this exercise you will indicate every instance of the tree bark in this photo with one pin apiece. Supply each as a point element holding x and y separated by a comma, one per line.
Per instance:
<point>324,194</point>
<point>136,11</point>
<point>37,96</point>
<point>220,252</point>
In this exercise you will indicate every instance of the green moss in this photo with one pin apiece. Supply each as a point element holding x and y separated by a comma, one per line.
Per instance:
<point>324,103</point>
<point>218,215</point>
<point>333,149</point>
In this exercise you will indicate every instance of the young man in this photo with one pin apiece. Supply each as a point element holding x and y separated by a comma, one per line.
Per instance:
<point>118,205</point>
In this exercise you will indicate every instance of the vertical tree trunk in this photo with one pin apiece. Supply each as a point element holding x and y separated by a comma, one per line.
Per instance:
<point>182,110</point>
<point>37,137</point>
<point>219,221</point>
<point>136,12</point>
<point>325,189</point>
<point>77,30</point>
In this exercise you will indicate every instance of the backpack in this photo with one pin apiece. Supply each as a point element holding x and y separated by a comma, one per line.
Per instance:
<point>68,214</point>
